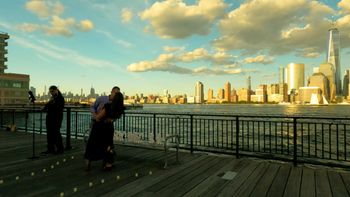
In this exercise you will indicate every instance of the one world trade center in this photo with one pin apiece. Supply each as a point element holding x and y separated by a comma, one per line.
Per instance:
<point>333,55</point>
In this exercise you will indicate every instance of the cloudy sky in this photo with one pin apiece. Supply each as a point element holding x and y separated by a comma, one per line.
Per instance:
<point>147,46</point>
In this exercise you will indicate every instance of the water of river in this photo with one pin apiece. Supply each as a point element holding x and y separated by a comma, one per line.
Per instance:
<point>333,111</point>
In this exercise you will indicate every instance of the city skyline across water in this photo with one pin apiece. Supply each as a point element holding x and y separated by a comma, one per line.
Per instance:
<point>150,46</point>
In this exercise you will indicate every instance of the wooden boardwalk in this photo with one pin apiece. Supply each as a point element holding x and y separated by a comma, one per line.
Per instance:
<point>138,172</point>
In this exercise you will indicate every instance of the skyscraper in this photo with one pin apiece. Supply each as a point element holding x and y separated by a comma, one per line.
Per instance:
<point>199,92</point>
<point>333,56</point>
<point>228,91</point>
<point>346,83</point>
<point>281,75</point>
<point>210,94</point>
<point>295,76</point>
<point>328,70</point>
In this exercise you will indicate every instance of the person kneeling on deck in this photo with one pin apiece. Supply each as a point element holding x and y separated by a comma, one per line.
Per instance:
<point>100,143</point>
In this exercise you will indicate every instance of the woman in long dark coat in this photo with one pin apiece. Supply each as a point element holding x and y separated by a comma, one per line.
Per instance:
<point>100,143</point>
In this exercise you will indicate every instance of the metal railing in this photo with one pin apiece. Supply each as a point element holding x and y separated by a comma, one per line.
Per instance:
<point>298,139</point>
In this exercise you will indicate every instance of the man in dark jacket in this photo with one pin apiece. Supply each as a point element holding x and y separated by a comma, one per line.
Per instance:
<point>54,117</point>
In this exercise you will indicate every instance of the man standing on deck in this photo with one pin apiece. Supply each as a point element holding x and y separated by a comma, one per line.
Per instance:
<point>54,117</point>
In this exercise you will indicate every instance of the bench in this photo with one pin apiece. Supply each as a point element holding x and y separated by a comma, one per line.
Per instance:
<point>164,143</point>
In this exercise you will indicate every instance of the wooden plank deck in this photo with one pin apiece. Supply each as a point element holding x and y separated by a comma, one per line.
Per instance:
<point>138,172</point>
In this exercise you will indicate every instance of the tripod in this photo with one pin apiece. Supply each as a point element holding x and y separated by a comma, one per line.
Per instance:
<point>32,100</point>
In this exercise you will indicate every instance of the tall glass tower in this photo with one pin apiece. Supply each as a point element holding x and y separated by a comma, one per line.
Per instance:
<point>199,92</point>
<point>294,76</point>
<point>333,56</point>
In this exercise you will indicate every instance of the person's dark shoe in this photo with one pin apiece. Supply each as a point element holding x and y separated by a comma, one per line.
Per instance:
<point>107,167</point>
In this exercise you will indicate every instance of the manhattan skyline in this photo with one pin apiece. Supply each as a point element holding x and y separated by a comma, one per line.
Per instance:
<point>149,46</point>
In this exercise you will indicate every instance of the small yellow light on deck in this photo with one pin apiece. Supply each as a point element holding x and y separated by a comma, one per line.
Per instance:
<point>62,194</point>
<point>64,160</point>
<point>32,174</point>
<point>150,173</point>
<point>1,181</point>
<point>58,163</point>
<point>136,174</point>
<point>72,157</point>
<point>102,181</point>
<point>75,189</point>
<point>91,184</point>
<point>52,166</point>
<point>44,170</point>
<point>17,178</point>
<point>118,177</point>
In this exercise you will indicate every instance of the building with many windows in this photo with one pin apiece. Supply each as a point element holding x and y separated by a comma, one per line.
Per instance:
<point>13,87</point>
<point>199,92</point>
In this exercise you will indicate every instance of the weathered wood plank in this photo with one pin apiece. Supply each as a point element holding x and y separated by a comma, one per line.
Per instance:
<point>346,180</point>
<point>156,176</point>
<point>279,183</point>
<point>308,183</point>
<point>206,187</point>
<point>322,183</point>
<point>293,184</point>
<point>182,183</point>
<point>337,185</point>
<point>262,187</point>
<point>251,181</point>
<point>232,186</point>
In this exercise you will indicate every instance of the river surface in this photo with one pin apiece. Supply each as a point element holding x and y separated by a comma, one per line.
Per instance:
<point>333,111</point>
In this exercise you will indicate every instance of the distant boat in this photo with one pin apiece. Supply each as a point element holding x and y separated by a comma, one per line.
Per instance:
<point>284,103</point>
<point>316,101</point>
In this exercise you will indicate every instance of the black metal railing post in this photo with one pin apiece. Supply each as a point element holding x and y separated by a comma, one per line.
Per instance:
<point>41,122</point>
<point>2,118</point>
<point>26,120</point>
<point>76,124</point>
<point>295,161</point>
<point>124,126</point>
<point>68,130</point>
<point>191,134</point>
<point>154,128</point>
<point>13,117</point>
<point>237,137</point>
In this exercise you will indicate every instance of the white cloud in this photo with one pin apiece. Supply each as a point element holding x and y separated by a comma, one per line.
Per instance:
<point>44,8</point>
<point>85,25</point>
<point>47,50</point>
<point>261,59</point>
<point>60,26</point>
<point>172,49</point>
<point>344,5</point>
<point>275,27</point>
<point>168,63</point>
<point>114,39</point>
<point>28,27</point>
<point>175,19</point>
<point>126,15</point>
<point>50,11</point>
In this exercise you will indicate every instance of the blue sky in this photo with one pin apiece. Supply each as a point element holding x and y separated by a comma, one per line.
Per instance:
<point>147,46</point>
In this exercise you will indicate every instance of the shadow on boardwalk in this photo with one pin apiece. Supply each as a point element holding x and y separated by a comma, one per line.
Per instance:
<point>138,172</point>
